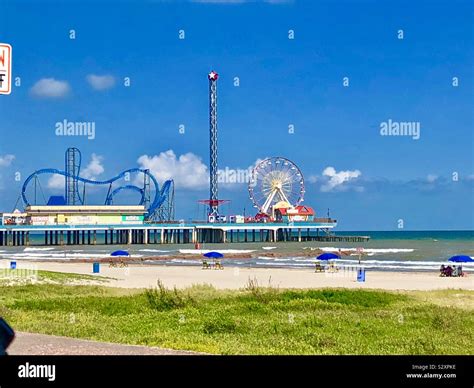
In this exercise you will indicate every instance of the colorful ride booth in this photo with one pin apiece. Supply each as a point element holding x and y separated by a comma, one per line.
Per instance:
<point>286,213</point>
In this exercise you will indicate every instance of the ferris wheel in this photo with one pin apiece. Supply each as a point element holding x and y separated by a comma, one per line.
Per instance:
<point>275,181</point>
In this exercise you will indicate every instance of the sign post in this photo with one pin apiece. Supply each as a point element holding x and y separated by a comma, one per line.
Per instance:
<point>360,251</point>
<point>360,270</point>
<point>5,68</point>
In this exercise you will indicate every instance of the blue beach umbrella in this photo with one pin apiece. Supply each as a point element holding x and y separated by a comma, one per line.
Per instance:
<point>461,259</point>
<point>213,255</point>
<point>120,253</point>
<point>327,256</point>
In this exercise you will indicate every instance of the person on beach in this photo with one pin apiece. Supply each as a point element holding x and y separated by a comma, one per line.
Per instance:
<point>446,271</point>
<point>449,271</point>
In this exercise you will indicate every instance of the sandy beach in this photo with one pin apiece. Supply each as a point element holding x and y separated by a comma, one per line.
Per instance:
<point>143,276</point>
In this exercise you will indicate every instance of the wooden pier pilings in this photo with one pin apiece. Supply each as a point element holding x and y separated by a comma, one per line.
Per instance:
<point>169,234</point>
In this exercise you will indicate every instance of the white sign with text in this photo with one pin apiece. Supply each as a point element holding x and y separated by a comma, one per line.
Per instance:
<point>5,68</point>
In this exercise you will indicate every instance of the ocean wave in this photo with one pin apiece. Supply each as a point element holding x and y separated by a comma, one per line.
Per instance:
<point>269,248</point>
<point>293,265</point>
<point>280,258</point>
<point>29,249</point>
<point>306,259</point>
<point>369,250</point>
<point>60,256</point>
<point>182,261</point>
<point>407,265</point>
<point>157,250</point>
<point>410,268</point>
<point>223,251</point>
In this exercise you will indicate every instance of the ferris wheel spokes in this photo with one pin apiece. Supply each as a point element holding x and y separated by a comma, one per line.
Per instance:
<point>276,181</point>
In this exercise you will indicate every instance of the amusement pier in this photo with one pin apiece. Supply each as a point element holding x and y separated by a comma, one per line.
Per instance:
<point>276,189</point>
<point>168,233</point>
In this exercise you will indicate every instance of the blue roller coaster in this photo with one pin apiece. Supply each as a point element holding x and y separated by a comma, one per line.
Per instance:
<point>161,207</point>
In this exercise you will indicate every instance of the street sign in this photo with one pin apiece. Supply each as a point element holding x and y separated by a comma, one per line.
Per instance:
<point>5,68</point>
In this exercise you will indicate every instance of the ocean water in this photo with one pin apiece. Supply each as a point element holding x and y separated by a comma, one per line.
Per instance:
<point>391,250</point>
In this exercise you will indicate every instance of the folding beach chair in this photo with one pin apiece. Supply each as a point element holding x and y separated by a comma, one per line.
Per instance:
<point>319,268</point>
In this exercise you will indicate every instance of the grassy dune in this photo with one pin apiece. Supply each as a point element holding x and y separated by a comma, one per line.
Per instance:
<point>256,320</point>
<point>9,277</point>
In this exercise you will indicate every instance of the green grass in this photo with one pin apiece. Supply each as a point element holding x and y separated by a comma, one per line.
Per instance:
<point>10,277</point>
<point>252,321</point>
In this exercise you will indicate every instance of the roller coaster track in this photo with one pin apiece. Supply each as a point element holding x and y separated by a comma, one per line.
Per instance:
<point>109,199</point>
<point>160,195</point>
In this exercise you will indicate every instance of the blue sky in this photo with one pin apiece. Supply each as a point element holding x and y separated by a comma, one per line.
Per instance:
<point>375,181</point>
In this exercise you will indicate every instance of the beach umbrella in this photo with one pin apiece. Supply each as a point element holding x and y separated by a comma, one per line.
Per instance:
<point>461,259</point>
<point>327,256</point>
<point>213,255</point>
<point>120,253</point>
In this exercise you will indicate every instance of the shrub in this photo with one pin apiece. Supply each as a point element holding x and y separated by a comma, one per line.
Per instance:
<point>259,293</point>
<point>361,298</point>
<point>162,298</point>
<point>219,325</point>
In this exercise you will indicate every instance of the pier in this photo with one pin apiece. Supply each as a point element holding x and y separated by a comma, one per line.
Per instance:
<point>169,233</point>
<point>276,189</point>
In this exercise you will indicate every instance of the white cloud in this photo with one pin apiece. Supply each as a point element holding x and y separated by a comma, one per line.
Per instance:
<point>101,82</point>
<point>336,179</point>
<point>6,160</point>
<point>94,168</point>
<point>431,178</point>
<point>50,88</point>
<point>92,171</point>
<point>187,170</point>
<point>56,182</point>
